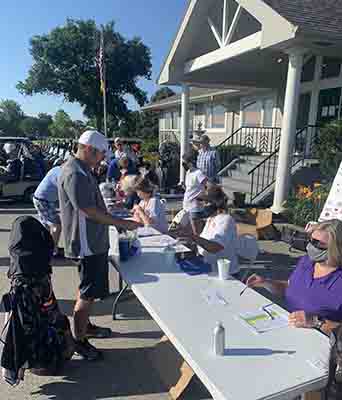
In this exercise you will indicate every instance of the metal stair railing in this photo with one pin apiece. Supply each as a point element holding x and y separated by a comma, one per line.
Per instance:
<point>248,140</point>
<point>264,174</point>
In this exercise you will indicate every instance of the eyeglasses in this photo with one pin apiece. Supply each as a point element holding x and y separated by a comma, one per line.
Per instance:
<point>319,245</point>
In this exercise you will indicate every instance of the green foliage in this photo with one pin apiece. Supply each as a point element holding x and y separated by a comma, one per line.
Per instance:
<point>161,94</point>
<point>150,146</point>
<point>11,116</point>
<point>305,207</point>
<point>65,64</point>
<point>36,126</point>
<point>62,126</point>
<point>328,148</point>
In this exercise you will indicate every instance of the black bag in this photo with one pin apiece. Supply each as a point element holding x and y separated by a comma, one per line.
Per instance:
<point>296,239</point>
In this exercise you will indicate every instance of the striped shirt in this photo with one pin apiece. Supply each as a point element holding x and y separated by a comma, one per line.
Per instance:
<point>208,162</point>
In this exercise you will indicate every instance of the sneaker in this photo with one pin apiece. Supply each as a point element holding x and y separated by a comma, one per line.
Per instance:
<point>87,351</point>
<point>98,332</point>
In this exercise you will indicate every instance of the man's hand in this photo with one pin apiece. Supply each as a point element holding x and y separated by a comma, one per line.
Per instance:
<point>299,319</point>
<point>255,281</point>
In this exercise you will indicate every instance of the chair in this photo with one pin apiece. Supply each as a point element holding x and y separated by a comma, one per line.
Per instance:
<point>248,249</point>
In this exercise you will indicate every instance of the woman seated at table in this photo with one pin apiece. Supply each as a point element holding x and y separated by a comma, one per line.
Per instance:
<point>127,186</point>
<point>313,293</point>
<point>219,237</point>
<point>150,211</point>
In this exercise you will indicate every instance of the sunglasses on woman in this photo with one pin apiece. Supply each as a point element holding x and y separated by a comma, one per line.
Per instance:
<point>319,245</point>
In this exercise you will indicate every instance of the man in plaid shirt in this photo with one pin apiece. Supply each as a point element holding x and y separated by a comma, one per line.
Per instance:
<point>208,160</point>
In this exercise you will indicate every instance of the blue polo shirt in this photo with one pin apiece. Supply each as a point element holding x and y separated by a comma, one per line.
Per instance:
<point>48,187</point>
<point>317,296</point>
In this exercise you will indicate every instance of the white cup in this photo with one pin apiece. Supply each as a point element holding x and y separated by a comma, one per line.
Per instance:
<point>223,269</point>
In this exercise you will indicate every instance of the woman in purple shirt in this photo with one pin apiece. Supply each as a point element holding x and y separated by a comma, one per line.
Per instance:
<point>314,291</point>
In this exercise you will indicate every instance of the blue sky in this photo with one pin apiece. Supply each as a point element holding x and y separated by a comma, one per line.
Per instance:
<point>155,21</point>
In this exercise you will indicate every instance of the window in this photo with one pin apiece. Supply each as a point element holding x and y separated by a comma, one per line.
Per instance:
<point>308,73</point>
<point>331,67</point>
<point>252,113</point>
<point>175,120</point>
<point>215,116</point>
<point>268,112</point>
<point>218,117</point>
<point>258,113</point>
<point>168,120</point>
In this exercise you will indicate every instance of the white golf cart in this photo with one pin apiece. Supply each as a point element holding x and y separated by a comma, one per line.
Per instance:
<point>24,185</point>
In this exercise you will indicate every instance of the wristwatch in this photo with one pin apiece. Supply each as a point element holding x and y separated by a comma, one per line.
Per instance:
<point>318,322</point>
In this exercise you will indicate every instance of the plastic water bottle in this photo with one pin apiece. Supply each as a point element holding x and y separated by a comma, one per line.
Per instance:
<point>219,339</point>
<point>170,255</point>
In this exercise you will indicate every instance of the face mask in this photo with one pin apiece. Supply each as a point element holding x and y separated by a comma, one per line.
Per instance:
<point>315,254</point>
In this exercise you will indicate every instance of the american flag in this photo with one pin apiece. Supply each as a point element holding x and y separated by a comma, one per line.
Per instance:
<point>101,64</point>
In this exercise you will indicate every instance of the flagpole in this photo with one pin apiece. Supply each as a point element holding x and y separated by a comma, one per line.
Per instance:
<point>104,103</point>
<point>103,84</point>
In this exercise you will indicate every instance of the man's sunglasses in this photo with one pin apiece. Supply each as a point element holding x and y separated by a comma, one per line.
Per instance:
<point>319,245</point>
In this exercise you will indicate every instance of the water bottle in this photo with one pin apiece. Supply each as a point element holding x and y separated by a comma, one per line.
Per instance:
<point>170,255</point>
<point>219,339</point>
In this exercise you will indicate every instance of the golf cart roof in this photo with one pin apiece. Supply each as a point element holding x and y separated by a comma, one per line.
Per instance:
<point>6,139</point>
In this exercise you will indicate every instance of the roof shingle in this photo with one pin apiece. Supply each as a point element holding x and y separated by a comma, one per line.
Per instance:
<point>320,16</point>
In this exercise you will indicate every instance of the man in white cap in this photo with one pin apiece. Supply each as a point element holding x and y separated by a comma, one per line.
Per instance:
<point>85,222</point>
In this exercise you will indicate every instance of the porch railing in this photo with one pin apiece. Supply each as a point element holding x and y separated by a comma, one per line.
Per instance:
<point>169,136</point>
<point>264,174</point>
<point>248,140</point>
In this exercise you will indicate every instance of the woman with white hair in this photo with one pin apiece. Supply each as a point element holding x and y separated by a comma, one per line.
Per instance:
<point>313,294</point>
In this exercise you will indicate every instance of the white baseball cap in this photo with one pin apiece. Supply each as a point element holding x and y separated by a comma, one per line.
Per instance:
<point>94,139</point>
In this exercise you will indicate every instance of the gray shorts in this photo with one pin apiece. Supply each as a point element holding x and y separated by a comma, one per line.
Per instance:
<point>94,281</point>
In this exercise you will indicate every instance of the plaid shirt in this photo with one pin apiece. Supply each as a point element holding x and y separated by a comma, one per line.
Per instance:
<point>208,162</point>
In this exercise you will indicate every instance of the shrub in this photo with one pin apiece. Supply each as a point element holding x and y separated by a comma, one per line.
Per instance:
<point>307,204</point>
<point>328,148</point>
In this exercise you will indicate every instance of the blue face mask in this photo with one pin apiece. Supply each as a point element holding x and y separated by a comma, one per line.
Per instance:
<point>315,254</point>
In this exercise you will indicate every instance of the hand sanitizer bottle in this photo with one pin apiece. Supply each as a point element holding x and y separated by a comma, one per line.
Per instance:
<point>219,339</point>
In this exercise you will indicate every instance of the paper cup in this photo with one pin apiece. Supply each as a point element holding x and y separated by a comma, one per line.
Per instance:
<point>223,266</point>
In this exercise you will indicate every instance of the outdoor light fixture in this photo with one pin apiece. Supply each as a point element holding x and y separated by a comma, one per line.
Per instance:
<point>280,60</point>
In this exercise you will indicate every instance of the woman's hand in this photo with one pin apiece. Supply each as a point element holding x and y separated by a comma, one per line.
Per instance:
<point>299,319</point>
<point>256,281</point>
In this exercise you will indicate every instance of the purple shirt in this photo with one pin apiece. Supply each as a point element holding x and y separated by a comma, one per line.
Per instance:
<point>319,296</point>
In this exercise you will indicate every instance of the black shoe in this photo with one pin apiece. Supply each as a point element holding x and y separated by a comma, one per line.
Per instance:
<point>98,332</point>
<point>87,351</point>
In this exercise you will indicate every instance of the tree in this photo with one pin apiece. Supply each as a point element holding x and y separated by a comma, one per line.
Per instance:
<point>65,64</point>
<point>328,148</point>
<point>62,126</point>
<point>29,126</point>
<point>11,116</point>
<point>161,94</point>
<point>44,120</point>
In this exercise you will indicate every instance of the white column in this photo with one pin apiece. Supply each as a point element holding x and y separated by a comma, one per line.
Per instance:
<point>184,137</point>
<point>314,100</point>
<point>288,129</point>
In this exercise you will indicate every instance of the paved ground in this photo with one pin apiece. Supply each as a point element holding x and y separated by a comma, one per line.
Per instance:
<point>126,372</point>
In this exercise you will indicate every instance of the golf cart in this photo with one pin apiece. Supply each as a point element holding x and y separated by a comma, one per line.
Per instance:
<point>24,182</point>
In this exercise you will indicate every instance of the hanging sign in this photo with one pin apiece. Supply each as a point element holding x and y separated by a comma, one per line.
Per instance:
<point>333,206</point>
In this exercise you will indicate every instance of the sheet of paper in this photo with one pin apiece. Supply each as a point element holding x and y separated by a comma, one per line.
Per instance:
<point>146,231</point>
<point>213,296</point>
<point>163,241</point>
<point>261,321</point>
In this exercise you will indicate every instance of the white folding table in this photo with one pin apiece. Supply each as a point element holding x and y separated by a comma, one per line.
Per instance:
<point>274,365</point>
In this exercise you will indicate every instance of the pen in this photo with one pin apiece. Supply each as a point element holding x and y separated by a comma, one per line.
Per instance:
<point>243,279</point>
<point>268,313</point>
<point>244,290</point>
